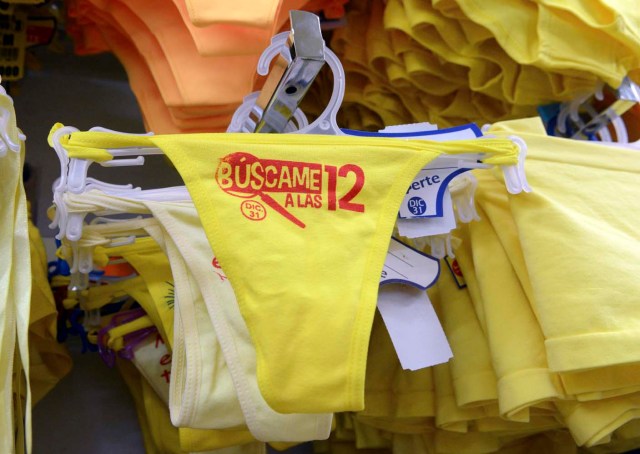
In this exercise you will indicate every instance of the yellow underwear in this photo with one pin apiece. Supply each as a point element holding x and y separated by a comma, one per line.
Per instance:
<point>300,226</point>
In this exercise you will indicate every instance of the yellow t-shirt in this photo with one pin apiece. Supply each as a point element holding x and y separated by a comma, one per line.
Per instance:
<point>586,307</point>
<point>610,56</point>
<point>473,376</point>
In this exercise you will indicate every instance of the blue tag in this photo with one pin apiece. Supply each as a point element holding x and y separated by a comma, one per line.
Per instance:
<point>417,206</point>
<point>549,116</point>
<point>419,227</point>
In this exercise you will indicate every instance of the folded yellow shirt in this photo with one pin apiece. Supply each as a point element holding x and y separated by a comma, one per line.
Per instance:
<point>537,41</point>
<point>382,368</point>
<point>474,379</point>
<point>586,306</point>
<point>395,399</point>
<point>449,416</point>
<point>524,378</point>
<point>491,70</point>
<point>618,19</point>
<point>593,423</point>
<point>590,384</point>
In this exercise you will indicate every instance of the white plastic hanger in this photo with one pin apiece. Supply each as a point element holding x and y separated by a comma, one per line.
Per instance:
<point>121,232</point>
<point>8,143</point>
<point>571,110</point>
<point>463,189</point>
<point>325,123</point>
<point>247,115</point>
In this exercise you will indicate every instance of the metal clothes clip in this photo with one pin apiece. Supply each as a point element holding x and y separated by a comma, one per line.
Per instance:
<point>292,73</point>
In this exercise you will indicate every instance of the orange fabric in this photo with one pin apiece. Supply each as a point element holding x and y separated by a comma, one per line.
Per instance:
<point>155,112</point>
<point>183,76</point>
<point>231,39</point>
<point>158,117</point>
<point>200,80</point>
<point>118,269</point>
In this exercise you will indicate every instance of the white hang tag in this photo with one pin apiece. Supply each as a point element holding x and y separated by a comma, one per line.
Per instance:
<point>464,132</point>
<point>153,360</point>
<point>422,227</point>
<point>405,265</point>
<point>424,198</point>
<point>414,328</point>
<point>410,127</point>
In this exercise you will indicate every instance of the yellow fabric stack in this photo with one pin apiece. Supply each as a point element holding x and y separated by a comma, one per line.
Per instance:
<point>454,61</point>
<point>541,320</point>
<point>541,317</point>
<point>49,360</point>
<point>15,288</point>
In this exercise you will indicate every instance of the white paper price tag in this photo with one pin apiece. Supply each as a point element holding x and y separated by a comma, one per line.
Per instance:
<point>413,326</point>
<point>410,127</point>
<point>463,132</point>
<point>424,197</point>
<point>422,227</point>
<point>405,265</point>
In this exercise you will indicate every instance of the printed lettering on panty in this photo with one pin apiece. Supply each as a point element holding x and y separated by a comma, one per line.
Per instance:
<point>218,269</point>
<point>153,360</point>
<point>282,185</point>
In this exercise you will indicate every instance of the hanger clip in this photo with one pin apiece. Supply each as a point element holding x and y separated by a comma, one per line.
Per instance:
<point>463,190</point>
<point>514,175</point>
